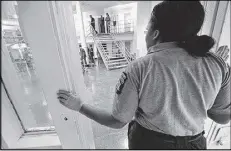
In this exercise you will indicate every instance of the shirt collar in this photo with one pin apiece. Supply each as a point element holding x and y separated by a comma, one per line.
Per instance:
<point>162,46</point>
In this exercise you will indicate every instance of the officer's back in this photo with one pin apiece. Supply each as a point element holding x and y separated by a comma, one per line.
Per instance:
<point>176,89</point>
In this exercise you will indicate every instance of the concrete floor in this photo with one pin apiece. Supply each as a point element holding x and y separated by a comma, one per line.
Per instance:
<point>102,83</point>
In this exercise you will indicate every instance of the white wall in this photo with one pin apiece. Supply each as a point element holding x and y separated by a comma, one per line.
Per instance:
<point>143,14</point>
<point>120,10</point>
<point>86,19</point>
<point>144,9</point>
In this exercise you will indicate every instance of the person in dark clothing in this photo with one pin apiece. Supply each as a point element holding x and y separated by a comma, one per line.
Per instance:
<point>83,56</point>
<point>108,21</point>
<point>92,22</point>
<point>91,54</point>
<point>101,24</point>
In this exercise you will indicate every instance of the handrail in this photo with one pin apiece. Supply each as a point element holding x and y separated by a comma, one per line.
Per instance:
<point>121,26</point>
<point>99,46</point>
<point>121,45</point>
<point>118,43</point>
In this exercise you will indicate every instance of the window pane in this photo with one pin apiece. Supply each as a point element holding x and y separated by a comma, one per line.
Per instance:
<point>34,103</point>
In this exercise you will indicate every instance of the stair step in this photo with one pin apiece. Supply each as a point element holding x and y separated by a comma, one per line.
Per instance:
<point>104,40</point>
<point>113,53</point>
<point>118,60</point>
<point>115,58</point>
<point>117,63</point>
<point>117,67</point>
<point>102,34</point>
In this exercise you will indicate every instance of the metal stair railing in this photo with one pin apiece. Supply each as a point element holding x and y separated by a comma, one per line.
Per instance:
<point>99,46</point>
<point>122,46</point>
<point>119,44</point>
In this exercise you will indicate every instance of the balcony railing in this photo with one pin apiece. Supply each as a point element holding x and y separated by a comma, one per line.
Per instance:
<point>116,27</point>
<point>121,26</point>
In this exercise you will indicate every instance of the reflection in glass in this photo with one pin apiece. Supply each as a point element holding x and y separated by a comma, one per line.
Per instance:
<point>22,59</point>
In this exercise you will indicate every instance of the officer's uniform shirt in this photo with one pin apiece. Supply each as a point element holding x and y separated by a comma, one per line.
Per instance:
<point>169,91</point>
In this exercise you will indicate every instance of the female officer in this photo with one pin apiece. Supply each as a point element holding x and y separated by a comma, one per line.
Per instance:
<point>173,89</point>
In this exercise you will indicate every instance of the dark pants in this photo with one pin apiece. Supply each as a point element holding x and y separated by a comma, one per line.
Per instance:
<point>93,25</point>
<point>102,28</point>
<point>142,138</point>
<point>108,26</point>
<point>92,57</point>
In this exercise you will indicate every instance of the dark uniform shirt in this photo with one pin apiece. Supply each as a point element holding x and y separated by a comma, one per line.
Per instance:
<point>169,91</point>
<point>82,53</point>
<point>92,20</point>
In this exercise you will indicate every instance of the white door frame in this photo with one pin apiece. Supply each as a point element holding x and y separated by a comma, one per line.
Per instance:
<point>215,16</point>
<point>48,27</point>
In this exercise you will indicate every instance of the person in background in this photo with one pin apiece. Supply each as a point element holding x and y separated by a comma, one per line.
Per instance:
<point>102,27</point>
<point>108,21</point>
<point>83,56</point>
<point>81,60</point>
<point>167,95</point>
<point>114,24</point>
<point>91,51</point>
<point>89,55</point>
<point>92,22</point>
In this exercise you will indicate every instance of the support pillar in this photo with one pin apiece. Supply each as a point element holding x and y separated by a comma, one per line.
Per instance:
<point>82,30</point>
<point>140,25</point>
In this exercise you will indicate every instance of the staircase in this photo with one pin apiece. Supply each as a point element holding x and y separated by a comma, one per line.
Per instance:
<point>119,57</point>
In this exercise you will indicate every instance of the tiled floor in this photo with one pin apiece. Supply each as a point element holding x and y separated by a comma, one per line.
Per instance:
<point>102,83</point>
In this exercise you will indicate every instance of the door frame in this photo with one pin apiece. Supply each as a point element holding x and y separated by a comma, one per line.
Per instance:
<point>215,12</point>
<point>51,36</point>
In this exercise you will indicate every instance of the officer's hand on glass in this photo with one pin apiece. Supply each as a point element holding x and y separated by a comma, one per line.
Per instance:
<point>223,52</point>
<point>69,100</point>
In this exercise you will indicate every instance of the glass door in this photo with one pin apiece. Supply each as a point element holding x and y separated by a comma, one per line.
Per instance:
<point>32,108</point>
<point>39,57</point>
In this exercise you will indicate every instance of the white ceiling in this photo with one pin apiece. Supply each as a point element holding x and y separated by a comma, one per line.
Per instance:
<point>96,5</point>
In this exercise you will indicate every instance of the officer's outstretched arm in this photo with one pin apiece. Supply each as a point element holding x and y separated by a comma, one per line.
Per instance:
<point>220,111</point>
<point>124,105</point>
<point>101,116</point>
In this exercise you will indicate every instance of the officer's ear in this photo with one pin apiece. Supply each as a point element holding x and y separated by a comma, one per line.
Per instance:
<point>155,34</point>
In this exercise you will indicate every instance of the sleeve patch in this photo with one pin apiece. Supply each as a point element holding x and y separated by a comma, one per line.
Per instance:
<point>121,82</point>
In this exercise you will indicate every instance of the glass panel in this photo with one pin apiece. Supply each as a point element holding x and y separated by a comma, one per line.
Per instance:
<point>34,103</point>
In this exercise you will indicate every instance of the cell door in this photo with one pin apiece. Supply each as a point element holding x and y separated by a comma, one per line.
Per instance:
<point>39,56</point>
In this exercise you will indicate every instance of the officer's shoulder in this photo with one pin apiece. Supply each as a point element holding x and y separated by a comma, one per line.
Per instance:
<point>143,60</point>
<point>139,63</point>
